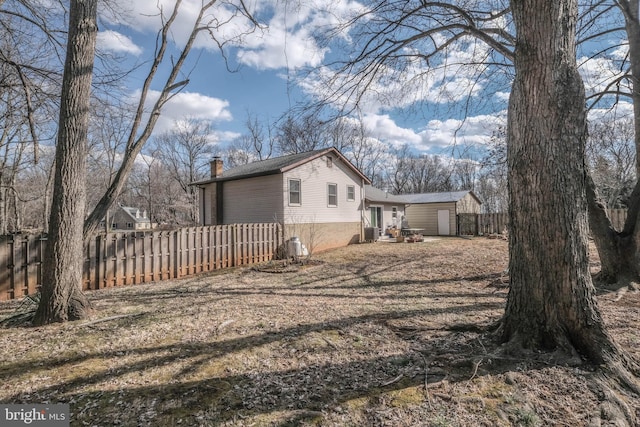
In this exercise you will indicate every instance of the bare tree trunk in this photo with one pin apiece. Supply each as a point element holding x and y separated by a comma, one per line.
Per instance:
<point>551,304</point>
<point>46,202</point>
<point>619,251</point>
<point>3,209</point>
<point>62,298</point>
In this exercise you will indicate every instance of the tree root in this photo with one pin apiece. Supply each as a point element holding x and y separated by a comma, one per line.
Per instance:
<point>616,378</point>
<point>620,285</point>
<point>615,407</point>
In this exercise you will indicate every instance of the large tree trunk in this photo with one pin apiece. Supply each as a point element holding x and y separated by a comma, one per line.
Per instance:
<point>620,250</point>
<point>61,295</point>
<point>551,304</point>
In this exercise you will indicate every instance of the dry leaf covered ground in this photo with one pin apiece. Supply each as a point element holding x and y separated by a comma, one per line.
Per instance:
<point>376,335</point>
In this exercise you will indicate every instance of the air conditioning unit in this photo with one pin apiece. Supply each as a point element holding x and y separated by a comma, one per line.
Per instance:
<point>371,234</point>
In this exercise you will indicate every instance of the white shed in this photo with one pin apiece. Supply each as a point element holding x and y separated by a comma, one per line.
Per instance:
<point>437,213</point>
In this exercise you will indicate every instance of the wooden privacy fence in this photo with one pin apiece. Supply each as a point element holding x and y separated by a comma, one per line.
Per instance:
<point>118,259</point>
<point>497,223</point>
<point>493,223</point>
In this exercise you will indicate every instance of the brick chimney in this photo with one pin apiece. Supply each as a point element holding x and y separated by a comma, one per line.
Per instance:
<point>216,167</point>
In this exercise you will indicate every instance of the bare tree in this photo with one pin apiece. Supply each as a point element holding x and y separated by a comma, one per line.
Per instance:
<point>256,144</point>
<point>353,139</point>
<point>143,123</point>
<point>551,304</point>
<point>185,151</point>
<point>61,294</point>
<point>398,179</point>
<point>152,186</point>
<point>492,182</point>
<point>263,144</point>
<point>299,134</point>
<point>108,131</point>
<point>611,157</point>
<point>619,250</point>
<point>29,92</point>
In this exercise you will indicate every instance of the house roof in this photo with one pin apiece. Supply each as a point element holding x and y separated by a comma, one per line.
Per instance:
<point>131,211</point>
<point>444,197</point>
<point>278,165</point>
<point>373,194</point>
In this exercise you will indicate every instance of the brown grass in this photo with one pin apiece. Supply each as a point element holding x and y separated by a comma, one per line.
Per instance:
<point>365,338</point>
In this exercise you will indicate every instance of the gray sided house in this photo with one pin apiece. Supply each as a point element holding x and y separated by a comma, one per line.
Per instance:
<point>382,210</point>
<point>437,213</point>
<point>317,195</point>
<point>127,218</point>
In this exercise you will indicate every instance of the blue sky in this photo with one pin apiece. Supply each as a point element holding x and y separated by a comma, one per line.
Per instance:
<point>267,82</point>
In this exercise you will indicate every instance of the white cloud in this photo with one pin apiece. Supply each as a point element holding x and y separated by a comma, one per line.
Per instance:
<point>284,39</point>
<point>450,81</point>
<point>288,41</point>
<point>224,137</point>
<point>598,73</point>
<point>188,105</point>
<point>473,130</point>
<point>382,127</point>
<point>112,41</point>
<point>621,110</point>
<point>279,49</point>
<point>502,96</point>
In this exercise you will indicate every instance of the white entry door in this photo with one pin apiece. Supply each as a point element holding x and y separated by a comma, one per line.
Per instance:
<point>443,223</point>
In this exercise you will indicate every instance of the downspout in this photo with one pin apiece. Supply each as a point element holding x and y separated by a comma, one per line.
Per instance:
<point>361,210</point>
<point>219,201</point>
<point>202,206</point>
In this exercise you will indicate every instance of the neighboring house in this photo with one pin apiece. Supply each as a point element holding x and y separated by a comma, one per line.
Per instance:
<point>317,195</point>
<point>437,213</point>
<point>127,218</point>
<point>382,210</point>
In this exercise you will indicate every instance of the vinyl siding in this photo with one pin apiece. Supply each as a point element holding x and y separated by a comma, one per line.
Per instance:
<point>425,216</point>
<point>253,200</point>
<point>468,204</point>
<point>387,215</point>
<point>314,177</point>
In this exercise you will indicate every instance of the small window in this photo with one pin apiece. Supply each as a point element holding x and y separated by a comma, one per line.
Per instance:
<point>129,225</point>
<point>294,192</point>
<point>394,212</point>
<point>351,193</point>
<point>332,194</point>
<point>329,161</point>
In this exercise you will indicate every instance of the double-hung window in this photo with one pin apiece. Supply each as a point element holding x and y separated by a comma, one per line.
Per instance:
<point>332,195</point>
<point>295,193</point>
<point>351,193</point>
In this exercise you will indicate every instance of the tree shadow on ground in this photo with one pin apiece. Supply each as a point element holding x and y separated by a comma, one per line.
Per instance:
<point>353,370</point>
<point>299,395</point>
<point>198,394</point>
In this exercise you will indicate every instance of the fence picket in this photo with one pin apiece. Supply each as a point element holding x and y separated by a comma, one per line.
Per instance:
<point>118,259</point>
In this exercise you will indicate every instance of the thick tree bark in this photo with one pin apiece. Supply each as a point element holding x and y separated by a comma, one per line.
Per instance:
<point>551,304</point>
<point>61,294</point>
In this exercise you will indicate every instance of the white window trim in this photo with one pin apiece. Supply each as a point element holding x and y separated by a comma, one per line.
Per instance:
<point>353,199</point>
<point>299,191</point>
<point>330,184</point>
